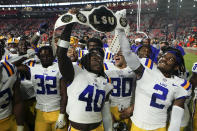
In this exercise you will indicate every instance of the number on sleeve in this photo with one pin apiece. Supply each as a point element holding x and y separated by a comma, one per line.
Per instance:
<point>3,94</point>
<point>156,96</point>
<point>87,96</point>
<point>194,67</point>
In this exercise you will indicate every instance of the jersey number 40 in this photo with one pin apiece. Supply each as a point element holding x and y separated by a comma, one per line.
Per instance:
<point>87,96</point>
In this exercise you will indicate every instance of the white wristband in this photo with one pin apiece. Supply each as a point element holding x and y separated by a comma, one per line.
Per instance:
<point>63,43</point>
<point>20,128</point>
<point>38,33</point>
<point>61,116</point>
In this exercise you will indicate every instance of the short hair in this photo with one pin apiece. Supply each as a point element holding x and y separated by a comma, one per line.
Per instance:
<point>49,48</point>
<point>165,42</point>
<point>140,47</point>
<point>96,40</point>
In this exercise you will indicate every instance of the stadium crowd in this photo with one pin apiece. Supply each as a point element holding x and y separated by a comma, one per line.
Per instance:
<point>75,83</point>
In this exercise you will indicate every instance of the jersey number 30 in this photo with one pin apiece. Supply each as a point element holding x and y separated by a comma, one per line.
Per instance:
<point>125,83</point>
<point>89,91</point>
<point>46,88</point>
<point>156,96</point>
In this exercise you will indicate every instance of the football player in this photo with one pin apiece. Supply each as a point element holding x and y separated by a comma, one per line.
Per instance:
<point>50,94</point>
<point>10,98</point>
<point>144,51</point>
<point>193,81</point>
<point>123,80</point>
<point>157,87</point>
<point>88,94</point>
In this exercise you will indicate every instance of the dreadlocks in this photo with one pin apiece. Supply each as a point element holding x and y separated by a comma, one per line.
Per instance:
<point>179,59</point>
<point>85,60</point>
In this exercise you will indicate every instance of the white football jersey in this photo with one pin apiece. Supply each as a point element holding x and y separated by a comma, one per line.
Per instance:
<point>27,89</point>
<point>153,96</point>
<point>86,96</point>
<point>8,78</point>
<point>123,81</point>
<point>108,55</point>
<point>47,88</point>
<point>81,53</point>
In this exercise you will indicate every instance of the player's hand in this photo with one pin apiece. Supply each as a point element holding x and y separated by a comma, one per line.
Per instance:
<point>30,53</point>
<point>73,11</point>
<point>60,123</point>
<point>126,113</point>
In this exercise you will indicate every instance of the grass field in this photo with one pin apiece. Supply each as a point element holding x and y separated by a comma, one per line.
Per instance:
<point>189,60</point>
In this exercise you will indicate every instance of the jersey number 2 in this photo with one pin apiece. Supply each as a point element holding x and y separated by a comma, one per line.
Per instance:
<point>156,96</point>
<point>46,88</point>
<point>89,91</point>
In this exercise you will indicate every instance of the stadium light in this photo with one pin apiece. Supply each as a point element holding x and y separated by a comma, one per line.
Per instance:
<point>194,5</point>
<point>168,1</point>
<point>63,4</point>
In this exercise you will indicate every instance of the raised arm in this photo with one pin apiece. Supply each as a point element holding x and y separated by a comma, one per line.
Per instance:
<point>61,122</point>
<point>131,58</point>
<point>65,64</point>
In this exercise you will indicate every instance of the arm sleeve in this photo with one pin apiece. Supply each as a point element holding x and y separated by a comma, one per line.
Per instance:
<point>131,58</point>
<point>176,117</point>
<point>107,118</point>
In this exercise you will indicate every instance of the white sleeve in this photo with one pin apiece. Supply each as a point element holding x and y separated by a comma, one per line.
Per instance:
<point>131,58</point>
<point>176,117</point>
<point>107,118</point>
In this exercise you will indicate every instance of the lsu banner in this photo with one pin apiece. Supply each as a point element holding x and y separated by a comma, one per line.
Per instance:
<point>100,19</point>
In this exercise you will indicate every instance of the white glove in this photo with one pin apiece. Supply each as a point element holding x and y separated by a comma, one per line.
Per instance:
<point>20,128</point>
<point>30,53</point>
<point>60,123</point>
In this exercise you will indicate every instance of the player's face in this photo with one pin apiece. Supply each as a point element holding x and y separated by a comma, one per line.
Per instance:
<point>161,45</point>
<point>46,58</point>
<point>96,63</point>
<point>12,47</point>
<point>193,79</point>
<point>72,54</point>
<point>146,42</point>
<point>144,52</point>
<point>22,48</point>
<point>167,63</point>
<point>119,59</point>
<point>92,45</point>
